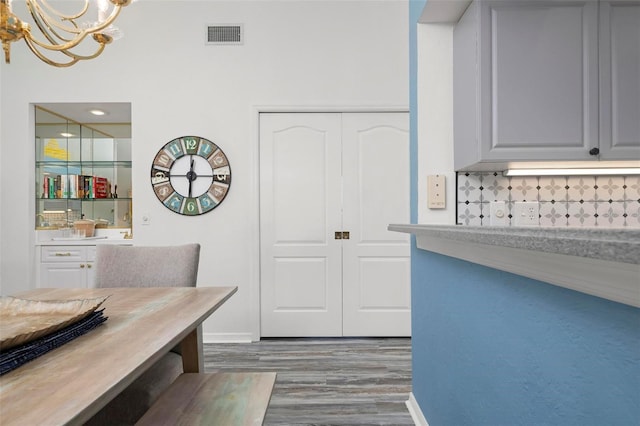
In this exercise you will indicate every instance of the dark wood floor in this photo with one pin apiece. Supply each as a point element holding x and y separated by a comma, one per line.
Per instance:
<point>341,381</point>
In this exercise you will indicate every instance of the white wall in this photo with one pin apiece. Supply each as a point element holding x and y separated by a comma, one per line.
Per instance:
<point>2,266</point>
<point>435,125</point>
<point>296,53</point>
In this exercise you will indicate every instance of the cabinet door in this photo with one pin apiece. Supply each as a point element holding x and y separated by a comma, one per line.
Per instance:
<point>63,274</point>
<point>619,80</point>
<point>538,79</point>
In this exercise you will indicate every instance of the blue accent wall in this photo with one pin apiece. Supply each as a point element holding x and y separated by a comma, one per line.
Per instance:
<point>494,348</point>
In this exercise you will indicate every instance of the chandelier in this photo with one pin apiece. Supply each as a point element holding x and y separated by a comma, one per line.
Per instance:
<point>61,33</point>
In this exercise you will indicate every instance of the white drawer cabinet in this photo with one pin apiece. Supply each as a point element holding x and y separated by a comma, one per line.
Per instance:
<point>67,266</point>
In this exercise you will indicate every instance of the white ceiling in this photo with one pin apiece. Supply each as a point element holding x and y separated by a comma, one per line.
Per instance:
<point>79,112</point>
<point>116,122</point>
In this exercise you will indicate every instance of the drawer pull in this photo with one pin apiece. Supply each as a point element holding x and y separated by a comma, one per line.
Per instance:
<point>63,254</point>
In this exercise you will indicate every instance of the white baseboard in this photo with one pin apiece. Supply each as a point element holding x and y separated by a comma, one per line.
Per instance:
<point>415,411</point>
<point>227,337</point>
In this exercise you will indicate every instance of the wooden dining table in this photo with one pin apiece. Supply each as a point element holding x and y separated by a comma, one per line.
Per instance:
<point>71,383</point>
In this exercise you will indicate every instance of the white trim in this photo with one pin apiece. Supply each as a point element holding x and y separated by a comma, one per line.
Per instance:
<point>227,338</point>
<point>415,411</point>
<point>254,177</point>
<point>615,281</point>
<point>258,109</point>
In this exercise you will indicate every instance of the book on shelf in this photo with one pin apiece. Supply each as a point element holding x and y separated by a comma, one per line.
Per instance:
<point>101,186</point>
<point>75,186</point>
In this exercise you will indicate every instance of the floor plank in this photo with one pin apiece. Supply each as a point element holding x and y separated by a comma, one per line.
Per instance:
<point>341,381</point>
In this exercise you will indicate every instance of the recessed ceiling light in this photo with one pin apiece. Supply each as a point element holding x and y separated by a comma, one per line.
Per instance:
<point>97,112</point>
<point>66,135</point>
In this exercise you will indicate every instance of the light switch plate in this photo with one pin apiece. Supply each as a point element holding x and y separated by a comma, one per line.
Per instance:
<point>436,192</point>
<point>498,213</point>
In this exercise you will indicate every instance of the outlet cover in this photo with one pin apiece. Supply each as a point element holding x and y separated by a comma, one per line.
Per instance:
<point>526,213</point>
<point>435,192</point>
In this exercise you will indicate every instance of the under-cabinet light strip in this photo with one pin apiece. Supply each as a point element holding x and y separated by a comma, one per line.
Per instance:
<point>573,172</point>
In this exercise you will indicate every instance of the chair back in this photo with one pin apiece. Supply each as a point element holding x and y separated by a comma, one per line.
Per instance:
<point>146,266</point>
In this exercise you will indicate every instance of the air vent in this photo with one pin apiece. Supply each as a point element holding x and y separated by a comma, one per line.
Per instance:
<point>225,34</point>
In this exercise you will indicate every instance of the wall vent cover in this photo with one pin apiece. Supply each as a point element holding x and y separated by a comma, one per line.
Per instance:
<point>224,34</point>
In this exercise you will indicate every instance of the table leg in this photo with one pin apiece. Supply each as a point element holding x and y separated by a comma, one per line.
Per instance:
<point>192,352</point>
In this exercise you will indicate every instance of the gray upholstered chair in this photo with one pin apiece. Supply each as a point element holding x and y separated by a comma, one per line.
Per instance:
<point>144,266</point>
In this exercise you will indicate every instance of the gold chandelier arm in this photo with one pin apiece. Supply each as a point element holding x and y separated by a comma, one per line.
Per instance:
<point>74,57</point>
<point>42,21</point>
<point>60,32</point>
<point>50,34</point>
<point>62,16</point>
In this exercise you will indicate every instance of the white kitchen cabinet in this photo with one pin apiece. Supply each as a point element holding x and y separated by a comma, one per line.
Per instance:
<point>67,266</point>
<point>619,55</point>
<point>529,86</point>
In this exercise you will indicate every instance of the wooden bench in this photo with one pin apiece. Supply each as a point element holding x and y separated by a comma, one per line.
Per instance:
<point>226,399</point>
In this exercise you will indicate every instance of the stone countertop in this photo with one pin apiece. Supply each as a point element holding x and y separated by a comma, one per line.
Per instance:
<point>102,236</point>
<point>611,244</point>
<point>85,242</point>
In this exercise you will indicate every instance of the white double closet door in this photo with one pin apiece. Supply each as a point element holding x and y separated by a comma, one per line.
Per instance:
<point>328,173</point>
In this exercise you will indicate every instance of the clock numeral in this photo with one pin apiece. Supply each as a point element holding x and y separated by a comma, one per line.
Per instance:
<point>175,148</point>
<point>206,203</point>
<point>218,191</point>
<point>206,148</point>
<point>190,145</point>
<point>223,174</point>
<point>218,160</point>
<point>159,176</point>
<point>163,160</point>
<point>163,190</point>
<point>174,202</point>
<point>190,207</point>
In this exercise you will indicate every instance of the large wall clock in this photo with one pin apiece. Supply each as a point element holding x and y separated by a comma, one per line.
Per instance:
<point>190,175</point>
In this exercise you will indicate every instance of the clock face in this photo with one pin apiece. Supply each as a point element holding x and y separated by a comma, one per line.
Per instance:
<point>190,175</point>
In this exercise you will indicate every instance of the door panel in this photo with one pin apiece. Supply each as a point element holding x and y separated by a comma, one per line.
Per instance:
<point>378,286</point>
<point>290,295</point>
<point>300,195</point>
<point>299,168</point>
<point>376,262</point>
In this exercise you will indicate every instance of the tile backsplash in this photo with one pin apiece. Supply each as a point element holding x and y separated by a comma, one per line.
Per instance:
<point>601,201</point>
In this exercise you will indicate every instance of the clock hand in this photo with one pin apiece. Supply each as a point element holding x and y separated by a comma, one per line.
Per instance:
<point>191,175</point>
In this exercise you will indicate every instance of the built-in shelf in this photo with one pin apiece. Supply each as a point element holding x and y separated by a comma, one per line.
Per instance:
<point>81,172</point>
